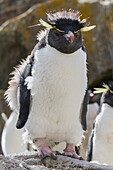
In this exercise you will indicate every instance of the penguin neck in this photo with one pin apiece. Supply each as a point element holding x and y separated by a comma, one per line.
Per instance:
<point>107,106</point>
<point>106,109</point>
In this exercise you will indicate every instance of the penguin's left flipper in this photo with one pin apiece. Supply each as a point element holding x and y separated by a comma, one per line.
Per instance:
<point>83,113</point>
<point>24,97</point>
<point>90,145</point>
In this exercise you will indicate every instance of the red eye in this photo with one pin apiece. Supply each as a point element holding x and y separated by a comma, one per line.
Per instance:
<point>76,35</point>
<point>57,34</point>
<point>110,94</point>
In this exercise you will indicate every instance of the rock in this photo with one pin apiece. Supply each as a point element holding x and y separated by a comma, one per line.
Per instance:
<point>17,40</point>
<point>3,109</point>
<point>99,46</point>
<point>12,8</point>
<point>31,161</point>
<point>103,2</point>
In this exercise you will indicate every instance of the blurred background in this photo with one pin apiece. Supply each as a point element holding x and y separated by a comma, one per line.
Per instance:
<point>17,40</point>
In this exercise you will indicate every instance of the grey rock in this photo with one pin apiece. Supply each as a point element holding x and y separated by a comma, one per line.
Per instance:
<point>3,109</point>
<point>32,162</point>
<point>12,8</point>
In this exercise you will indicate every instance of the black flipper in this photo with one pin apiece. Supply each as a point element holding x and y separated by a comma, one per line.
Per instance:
<point>90,146</point>
<point>84,110</point>
<point>24,98</point>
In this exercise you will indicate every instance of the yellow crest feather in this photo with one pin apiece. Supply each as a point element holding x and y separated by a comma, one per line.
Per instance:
<point>84,29</point>
<point>101,90</point>
<point>107,87</point>
<point>45,24</point>
<point>59,30</point>
<point>76,31</point>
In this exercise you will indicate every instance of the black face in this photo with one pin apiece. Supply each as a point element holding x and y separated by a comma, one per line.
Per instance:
<point>108,98</point>
<point>67,41</point>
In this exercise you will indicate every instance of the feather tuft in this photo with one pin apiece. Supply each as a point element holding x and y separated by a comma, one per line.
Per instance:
<point>63,14</point>
<point>12,94</point>
<point>101,90</point>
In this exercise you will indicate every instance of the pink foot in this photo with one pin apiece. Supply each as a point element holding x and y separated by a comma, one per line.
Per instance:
<point>44,150</point>
<point>70,151</point>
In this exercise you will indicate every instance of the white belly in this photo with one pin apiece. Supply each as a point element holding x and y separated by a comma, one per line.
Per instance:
<point>57,86</point>
<point>103,137</point>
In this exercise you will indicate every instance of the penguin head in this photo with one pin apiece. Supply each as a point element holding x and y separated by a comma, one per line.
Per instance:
<point>107,90</point>
<point>65,30</point>
<point>94,98</point>
<point>108,95</point>
<point>91,96</point>
<point>66,36</point>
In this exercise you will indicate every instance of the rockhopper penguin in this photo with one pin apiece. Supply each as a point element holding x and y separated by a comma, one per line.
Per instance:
<point>100,146</point>
<point>48,88</point>
<point>92,110</point>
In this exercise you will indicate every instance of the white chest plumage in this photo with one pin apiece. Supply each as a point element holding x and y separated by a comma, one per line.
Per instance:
<point>103,136</point>
<point>58,85</point>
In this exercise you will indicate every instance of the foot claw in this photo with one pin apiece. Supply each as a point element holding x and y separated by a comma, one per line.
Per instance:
<point>43,150</point>
<point>53,156</point>
<point>81,158</point>
<point>44,155</point>
<point>58,153</point>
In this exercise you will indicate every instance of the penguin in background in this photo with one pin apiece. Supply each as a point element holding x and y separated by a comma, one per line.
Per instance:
<point>11,140</point>
<point>47,89</point>
<point>100,145</point>
<point>93,108</point>
<point>92,111</point>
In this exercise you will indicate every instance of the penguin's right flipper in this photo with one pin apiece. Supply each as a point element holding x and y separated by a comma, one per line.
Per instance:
<point>24,97</point>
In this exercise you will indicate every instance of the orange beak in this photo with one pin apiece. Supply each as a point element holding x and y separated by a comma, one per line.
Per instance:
<point>69,37</point>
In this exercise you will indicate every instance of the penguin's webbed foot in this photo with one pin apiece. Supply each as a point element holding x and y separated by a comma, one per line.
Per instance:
<point>43,150</point>
<point>70,151</point>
